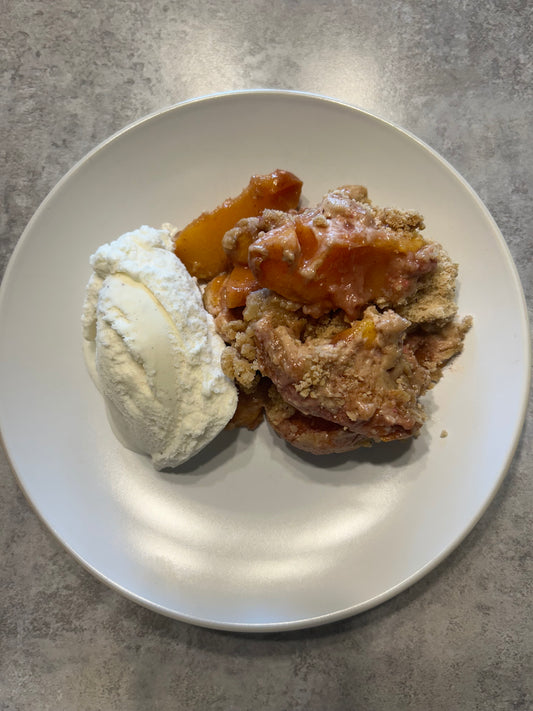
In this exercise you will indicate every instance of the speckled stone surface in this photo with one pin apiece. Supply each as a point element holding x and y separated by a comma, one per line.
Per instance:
<point>457,74</point>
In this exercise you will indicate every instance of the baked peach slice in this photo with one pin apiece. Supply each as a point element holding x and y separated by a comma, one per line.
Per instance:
<point>199,244</point>
<point>340,262</point>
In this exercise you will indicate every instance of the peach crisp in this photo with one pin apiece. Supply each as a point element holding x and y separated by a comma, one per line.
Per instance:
<point>337,318</point>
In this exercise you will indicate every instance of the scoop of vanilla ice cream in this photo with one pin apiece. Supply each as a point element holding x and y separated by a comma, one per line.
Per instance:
<point>152,349</point>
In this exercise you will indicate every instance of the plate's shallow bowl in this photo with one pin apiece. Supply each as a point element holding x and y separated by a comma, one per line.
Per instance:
<point>250,535</point>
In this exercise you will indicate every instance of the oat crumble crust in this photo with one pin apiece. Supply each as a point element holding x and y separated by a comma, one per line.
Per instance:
<point>323,394</point>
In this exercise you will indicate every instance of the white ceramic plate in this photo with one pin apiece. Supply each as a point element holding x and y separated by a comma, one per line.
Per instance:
<point>250,535</point>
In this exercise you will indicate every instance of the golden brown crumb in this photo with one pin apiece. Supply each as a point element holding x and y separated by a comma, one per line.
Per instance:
<point>332,383</point>
<point>435,300</point>
<point>406,220</point>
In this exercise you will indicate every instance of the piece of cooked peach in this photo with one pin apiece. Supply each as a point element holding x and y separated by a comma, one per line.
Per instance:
<point>214,293</point>
<point>199,244</point>
<point>339,262</point>
<point>239,283</point>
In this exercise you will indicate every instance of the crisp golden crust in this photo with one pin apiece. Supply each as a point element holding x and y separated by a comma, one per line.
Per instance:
<point>366,381</point>
<point>434,301</point>
<point>329,382</point>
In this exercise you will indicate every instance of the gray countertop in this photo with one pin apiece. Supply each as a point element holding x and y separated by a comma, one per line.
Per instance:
<point>456,74</point>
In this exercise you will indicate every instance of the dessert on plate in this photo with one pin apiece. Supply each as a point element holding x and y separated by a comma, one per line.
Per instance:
<point>337,319</point>
<point>329,321</point>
